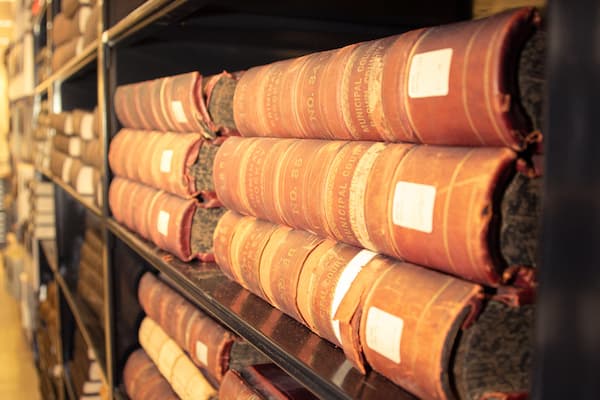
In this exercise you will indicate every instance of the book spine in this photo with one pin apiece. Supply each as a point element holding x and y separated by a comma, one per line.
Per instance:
<point>163,218</point>
<point>234,387</point>
<point>373,307</point>
<point>165,161</point>
<point>64,29</point>
<point>61,142</point>
<point>185,378</point>
<point>143,380</point>
<point>91,152</point>
<point>406,201</point>
<point>387,89</point>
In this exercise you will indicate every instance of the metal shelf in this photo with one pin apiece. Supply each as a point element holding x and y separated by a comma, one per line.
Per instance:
<point>313,361</point>
<point>73,193</point>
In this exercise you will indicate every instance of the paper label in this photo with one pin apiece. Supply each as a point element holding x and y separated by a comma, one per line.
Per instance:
<point>87,126</point>
<point>413,206</point>
<point>165,161</point>
<point>66,170</point>
<point>178,112</point>
<point>43,292</point>
<point>348,276</point>
<point>384,333</point>
<point>68,128</point>
<point>163,222</point>
<point>202,352</point>
<point>429,74</point>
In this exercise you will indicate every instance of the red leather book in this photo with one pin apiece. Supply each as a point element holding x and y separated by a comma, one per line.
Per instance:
<point>178,163</point>
<point>182,227</point>
<point>264,381</point>
<point>174,104</point>
<point>208,344</point>
<point>400,319</point>
<point>453,84</point>
<point>143,380</point>
<point>431,205</point>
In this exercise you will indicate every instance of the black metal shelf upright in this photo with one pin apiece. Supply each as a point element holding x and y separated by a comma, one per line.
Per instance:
<point>142,40</point>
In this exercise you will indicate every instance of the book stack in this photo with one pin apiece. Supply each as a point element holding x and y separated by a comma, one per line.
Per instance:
<point>42,139</point>
<point>90,281</point>
<point>394,237</point>
<point>46,337</point>
<point>84,369</point>
<point>143,380</point>
<point>68,28</point>
<point>3,212</point>
<point>76,156</point>
<point>42,209</point>
<point>165,193</point>
<point>210,346</point>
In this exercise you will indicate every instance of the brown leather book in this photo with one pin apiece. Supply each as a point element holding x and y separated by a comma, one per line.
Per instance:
<point>143,380</point>
<point>261,382</point>
<point>65,52</point>
<point>178,163</point>
<point>177,104</point>
<point>453,84</point>
<point>59,121</point>
<point>91,30</point>
<point>431,205</point>
<point>183,376</point>
<point>64,29</point>
<point>400,319</point>
<point>61,142</point>
<point>91,153</point>
<point>208,344</point>
<point>58,160</point>
<point>182,227</point>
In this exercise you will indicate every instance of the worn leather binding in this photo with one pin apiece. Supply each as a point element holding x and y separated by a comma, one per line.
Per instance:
<point>434,206</point>
<point>58,121</point>
<point>57,161</point>
<point>143,380</point>
<point>452,84</point>
<point>172,223</point>
<point>91,153</point>
<point>185,378</point>
<point>170,161</point>
<point>261,382</point>
<point>400,319</point>
<point>64,29</point>
<point>62,142</point>
<point>178,103</point>
<point>208,344</point>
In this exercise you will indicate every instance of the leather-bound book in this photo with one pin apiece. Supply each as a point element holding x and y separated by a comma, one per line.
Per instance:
<point>431,205</point>
<point>91,30</point>
<point>182,227</point>
<point>64,29</point>
<point>143,380</point>
<point>83,121</point>
<point>61,122</point>
<point>176,104</point>
<point>261,382</point>
<point>67,144</point>
<point>181,373</point>
<point>208,344</point>
<point>58,160</point>
<point>180,163</point>
<point>454,84</point>
<point>91,153</point>
<point>383,312</point>
<point>65,52</point>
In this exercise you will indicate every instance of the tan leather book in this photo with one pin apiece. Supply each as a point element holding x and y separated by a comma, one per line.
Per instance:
<point>184,377</point>
<point>449,85</point>
<point>143,380</point>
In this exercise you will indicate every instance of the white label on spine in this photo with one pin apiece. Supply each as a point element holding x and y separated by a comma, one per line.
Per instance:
<point>165,161</point>
<point>163,222</point>
<point>348,276</point>
<point>429,74</point>
<point>413,206</point>
<point>202,352</point>
<point>87,126</point>
<point>384,333</point>
<point>177,108</point>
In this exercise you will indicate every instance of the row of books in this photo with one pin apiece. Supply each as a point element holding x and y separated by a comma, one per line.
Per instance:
<point>76,156</point>
<point>75,27</point>
<point>405,233</point>
<point>85,371</point>
<point>90,279</point>
<point>47,336</point>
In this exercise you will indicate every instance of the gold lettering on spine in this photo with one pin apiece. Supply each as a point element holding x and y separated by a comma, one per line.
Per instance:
<point>358,189</point>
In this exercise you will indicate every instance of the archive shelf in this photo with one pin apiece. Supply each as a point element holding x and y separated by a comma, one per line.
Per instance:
<point>144,40</point>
